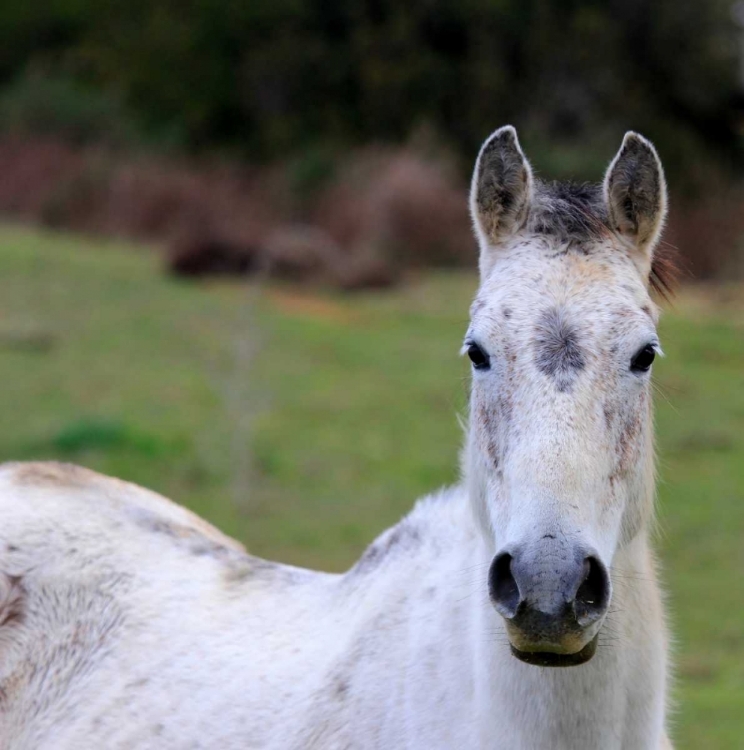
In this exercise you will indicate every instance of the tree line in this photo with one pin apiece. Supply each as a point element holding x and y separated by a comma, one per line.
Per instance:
<point>270,77</point>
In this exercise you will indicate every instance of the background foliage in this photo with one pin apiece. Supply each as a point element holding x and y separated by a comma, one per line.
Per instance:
<point>270,76</point>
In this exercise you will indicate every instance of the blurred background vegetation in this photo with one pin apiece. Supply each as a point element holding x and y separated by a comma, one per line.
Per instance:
<point>208,124</point>
<point>270,77</point>
<point>313,147</point>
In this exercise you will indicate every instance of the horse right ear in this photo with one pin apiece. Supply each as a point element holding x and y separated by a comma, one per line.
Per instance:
<point>500,193</point>
<point>636,195</point>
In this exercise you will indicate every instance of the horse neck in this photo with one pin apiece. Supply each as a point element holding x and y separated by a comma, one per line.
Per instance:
<point>621,689</point>
<point>445,631</point>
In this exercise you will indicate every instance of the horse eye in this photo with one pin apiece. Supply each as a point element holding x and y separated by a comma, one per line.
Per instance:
<point>478,357</point>
<point>643,359</point>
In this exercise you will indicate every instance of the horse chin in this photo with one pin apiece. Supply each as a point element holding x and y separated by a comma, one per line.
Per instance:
<point>551,659</point>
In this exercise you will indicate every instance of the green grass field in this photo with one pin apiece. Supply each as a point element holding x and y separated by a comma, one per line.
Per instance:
<point>304,425</point>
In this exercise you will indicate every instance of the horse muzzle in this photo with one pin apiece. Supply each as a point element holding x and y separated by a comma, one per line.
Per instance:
<point>553,599</point>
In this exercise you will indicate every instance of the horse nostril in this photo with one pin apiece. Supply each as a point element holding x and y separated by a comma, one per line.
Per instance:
<point>502,587</point>
<point>593,595</point>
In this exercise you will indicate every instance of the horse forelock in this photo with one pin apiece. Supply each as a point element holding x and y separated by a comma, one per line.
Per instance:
<point>574,215</point>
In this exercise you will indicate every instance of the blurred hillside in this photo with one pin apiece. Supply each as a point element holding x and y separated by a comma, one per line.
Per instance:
<point>161,96</point>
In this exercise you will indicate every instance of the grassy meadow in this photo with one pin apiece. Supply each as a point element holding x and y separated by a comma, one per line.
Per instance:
<point>305,423</point>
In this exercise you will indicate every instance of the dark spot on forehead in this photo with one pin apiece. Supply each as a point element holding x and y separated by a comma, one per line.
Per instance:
<point>507,312</point>
<point>557,351</point>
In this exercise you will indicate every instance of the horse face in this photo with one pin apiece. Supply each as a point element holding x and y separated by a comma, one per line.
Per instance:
<point>562,337</point>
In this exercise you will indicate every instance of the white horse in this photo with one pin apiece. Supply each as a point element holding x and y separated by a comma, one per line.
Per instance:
<point>127,622</point>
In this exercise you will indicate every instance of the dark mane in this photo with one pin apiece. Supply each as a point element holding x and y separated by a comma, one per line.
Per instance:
<point>575,213</point>
<point>572,212</point>
<point>665,271</point>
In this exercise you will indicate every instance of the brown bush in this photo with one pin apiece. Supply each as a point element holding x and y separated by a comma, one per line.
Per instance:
<point>383,211</point>
<point>396,208</point>
<point>299,253</point>
<point>31,173</point>
<point>708,232</point>
<point>93,190</point>
<point>212,256</point>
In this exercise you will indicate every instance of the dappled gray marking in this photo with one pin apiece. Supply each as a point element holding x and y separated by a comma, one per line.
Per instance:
<point>557,351</point>
<point>12,599</point>
<point>237,565</point>
<point>406,535</point>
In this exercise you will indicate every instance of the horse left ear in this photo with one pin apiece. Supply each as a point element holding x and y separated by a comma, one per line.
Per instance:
<point>636,194</point>
<point>500,193</point>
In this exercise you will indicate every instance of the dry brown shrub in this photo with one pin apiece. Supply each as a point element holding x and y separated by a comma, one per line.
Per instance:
<point>92,190</point>
<point>708,233</point>
<point>30,173</point>
<point>394,207</point>
<point>212,256</point>
<point>384,211</point>
<point>301,253</point>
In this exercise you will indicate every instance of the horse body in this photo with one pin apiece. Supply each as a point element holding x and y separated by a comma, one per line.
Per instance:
<point>128,622</point>
<point>142,627</point>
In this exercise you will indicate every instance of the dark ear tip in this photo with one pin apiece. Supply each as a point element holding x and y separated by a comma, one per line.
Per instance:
<point>632,135</point>
<point>506,131</point>
<point>636,142</point>
<point>507,134</point>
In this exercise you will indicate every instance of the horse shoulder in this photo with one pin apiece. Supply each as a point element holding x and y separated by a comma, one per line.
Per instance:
<point>104,586</point>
